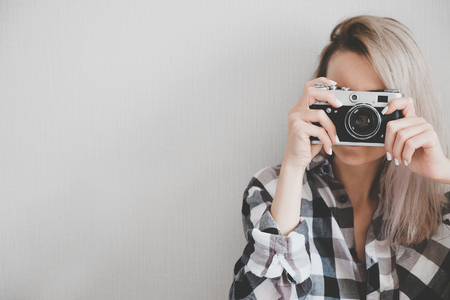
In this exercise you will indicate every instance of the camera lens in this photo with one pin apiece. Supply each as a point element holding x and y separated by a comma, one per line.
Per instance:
<point>362,121</point>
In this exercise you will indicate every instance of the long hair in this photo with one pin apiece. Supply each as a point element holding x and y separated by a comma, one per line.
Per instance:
<point>411,204</point>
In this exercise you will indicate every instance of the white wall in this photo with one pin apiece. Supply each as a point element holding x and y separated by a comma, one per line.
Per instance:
<point>130,129</point>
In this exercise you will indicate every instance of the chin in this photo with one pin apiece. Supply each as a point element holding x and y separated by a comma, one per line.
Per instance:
<point>358,155</point>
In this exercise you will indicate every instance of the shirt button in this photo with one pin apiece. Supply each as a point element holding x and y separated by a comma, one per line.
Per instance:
<point>343,199</point>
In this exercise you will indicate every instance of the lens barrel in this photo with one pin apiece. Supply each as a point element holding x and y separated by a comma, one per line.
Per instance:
<point>362,121</point>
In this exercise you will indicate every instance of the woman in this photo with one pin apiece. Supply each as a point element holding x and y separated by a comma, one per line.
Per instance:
<point>348,222</point>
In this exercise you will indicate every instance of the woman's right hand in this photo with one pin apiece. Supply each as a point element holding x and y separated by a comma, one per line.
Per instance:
<point>299,151</point>
<point>286,207</point>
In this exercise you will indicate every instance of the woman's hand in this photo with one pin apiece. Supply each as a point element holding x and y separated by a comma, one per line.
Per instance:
<point>286,207</point>
<point>413,141</point>
<point>299,150</point>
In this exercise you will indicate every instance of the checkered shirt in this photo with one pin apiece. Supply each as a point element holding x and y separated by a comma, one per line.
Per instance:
<point>317,260</point>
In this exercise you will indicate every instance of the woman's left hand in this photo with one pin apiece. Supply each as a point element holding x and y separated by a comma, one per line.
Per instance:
<point>413,141</point>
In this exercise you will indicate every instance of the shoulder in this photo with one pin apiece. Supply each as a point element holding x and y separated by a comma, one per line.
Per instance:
<point>442,235</point>
<point>265,179</point>
<point>268,174</point>
<point>446,210</point>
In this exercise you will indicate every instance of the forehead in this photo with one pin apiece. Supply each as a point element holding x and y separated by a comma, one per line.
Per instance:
<point>354,71</point>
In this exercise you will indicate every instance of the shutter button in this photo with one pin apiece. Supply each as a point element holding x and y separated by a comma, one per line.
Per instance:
<point>343,199</point>
<point>326,168</point>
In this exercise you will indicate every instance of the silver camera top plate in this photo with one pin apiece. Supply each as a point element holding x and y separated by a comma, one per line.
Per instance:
<point>348,97</point>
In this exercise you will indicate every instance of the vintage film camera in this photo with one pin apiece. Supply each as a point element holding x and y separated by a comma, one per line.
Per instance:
<point>359,121</point>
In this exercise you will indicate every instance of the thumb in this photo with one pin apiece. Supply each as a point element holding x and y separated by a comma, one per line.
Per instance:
<point>315,149</point>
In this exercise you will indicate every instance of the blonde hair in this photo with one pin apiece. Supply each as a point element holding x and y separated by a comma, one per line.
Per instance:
<point>411,204</point>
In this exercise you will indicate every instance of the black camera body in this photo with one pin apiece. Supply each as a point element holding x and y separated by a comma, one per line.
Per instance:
<point>359,121</point>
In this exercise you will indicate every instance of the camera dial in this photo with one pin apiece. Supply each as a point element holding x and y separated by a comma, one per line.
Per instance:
<point>392,91</point>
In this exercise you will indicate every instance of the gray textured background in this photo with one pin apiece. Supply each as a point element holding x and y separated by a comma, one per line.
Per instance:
<point>130,129</point>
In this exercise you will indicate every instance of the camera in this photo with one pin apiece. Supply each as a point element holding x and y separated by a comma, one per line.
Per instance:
<point>359,121</point>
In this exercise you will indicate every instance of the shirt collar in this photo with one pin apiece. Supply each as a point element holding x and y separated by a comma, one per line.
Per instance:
<point>321,165</point>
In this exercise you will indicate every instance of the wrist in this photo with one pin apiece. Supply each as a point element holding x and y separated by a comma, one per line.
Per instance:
<point>445,177</point>
<point>295,164</point>
<point>292,171</point>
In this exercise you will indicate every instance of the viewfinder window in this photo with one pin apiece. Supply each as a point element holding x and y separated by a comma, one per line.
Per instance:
<point>383,99</point>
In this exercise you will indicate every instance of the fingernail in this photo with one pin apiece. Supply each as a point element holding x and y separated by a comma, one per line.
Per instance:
<point>388,156</point>
<point>337,140</point>
<point>331,151</point>
<point>332,82</point>
<point>396,162</point>
<point>339,102</point>
<point>385,109</point>
<point>405,162</point>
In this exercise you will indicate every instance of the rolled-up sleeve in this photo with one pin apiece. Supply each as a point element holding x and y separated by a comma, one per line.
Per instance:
<point>274,253</point>
<point>269,257</point>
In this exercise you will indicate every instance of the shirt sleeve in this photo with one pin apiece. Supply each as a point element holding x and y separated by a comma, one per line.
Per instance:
<point>271,264</point>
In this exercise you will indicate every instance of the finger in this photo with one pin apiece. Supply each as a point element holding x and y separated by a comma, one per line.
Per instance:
<point>423,140</point>
<point>404,135</point>
<point>315,149</point>
<point>394,126</point>
<point>321,134</point>
<point>314,94</point>
<point>319,116</point>
<point>323,80</point>
<point>405,104</point>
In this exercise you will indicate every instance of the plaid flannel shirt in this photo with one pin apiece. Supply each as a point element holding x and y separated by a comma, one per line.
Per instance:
<point>317,260</point>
